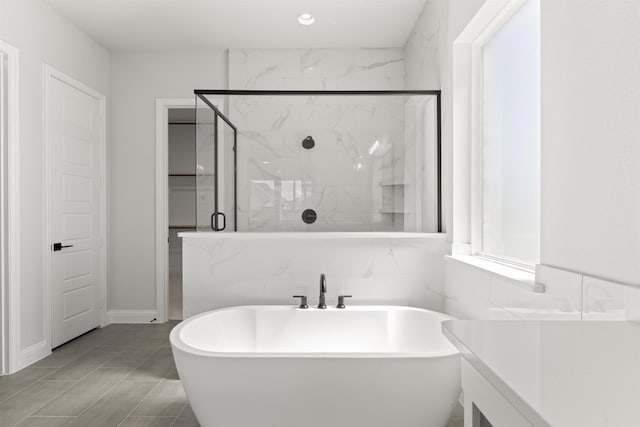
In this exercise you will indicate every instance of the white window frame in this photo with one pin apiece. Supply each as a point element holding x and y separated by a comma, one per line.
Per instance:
<point>468,135</point>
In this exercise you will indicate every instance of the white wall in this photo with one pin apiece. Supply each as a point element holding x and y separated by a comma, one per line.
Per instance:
<point>590,202</point>
<point>42,36</point>
<point>138,78</point>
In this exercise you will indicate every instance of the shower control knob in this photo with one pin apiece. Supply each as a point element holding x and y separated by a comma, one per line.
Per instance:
<point>308,143</point>
<point>309,216</point>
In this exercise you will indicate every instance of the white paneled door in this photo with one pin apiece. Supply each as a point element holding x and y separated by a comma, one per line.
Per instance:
<point>75,126</point>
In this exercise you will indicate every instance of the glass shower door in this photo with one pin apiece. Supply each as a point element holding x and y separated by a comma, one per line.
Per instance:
<point>215,168</point>
<point>320,161</point>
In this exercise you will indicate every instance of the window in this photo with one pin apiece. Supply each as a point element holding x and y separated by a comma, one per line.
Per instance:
<point>509,209</point>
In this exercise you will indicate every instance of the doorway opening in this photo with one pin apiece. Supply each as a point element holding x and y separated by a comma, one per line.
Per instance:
<point>181,143</point>
<point>177,123</point>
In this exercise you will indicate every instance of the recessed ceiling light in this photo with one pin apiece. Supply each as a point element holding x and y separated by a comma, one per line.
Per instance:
<point>306,19</point>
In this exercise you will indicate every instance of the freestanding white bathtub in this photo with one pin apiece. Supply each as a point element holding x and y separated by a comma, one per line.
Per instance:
<point>280,366</point>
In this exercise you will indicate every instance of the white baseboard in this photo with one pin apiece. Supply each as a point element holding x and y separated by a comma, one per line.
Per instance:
<point>132,316</point>
<point>31,355</point>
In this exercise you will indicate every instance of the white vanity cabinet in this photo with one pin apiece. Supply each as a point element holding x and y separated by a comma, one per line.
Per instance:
<point>483,405</point>
<point>548,373</point>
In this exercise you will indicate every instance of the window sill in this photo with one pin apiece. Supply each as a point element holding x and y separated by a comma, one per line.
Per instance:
<point>520,278</point>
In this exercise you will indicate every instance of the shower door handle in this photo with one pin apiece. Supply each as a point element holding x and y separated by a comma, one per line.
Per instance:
<point>215,226</point>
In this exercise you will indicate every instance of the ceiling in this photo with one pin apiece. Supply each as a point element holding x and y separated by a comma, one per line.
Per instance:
<point>143,25</point>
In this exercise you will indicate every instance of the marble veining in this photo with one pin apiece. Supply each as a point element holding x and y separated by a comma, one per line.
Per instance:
<point>374,65</point>
<point>422,52</point>
<point>339,175</point>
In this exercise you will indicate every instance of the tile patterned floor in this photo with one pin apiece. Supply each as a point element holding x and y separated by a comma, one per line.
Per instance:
<point>120,375</point>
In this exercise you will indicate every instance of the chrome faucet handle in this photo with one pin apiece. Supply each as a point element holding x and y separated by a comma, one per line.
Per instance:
<point>303,301</point>
<point>341,301</point>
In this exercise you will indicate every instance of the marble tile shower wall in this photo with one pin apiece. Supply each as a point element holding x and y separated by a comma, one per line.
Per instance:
<point>471,293</point>
<point>375,270</point>
<point>339,178</point>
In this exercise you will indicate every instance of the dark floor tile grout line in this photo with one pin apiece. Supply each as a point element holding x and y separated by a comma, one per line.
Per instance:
<point>114,385</point>
<point>46,402</point>
<point>74,382</point>
<point>148,416</point>
<point>140,403</point>
<point>24,388</point>
<point>138,365</point>
<point>70,362</point>
<point>49,416</point>
<point>36,381</point>
<point>82,353</point>
<point>66,389</point>
<point>179,413</point>
<point>98,399</point>
<point>133,368</point>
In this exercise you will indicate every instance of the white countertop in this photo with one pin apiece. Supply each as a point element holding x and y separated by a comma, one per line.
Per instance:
<point>310,235</point>
<point>558,373</point>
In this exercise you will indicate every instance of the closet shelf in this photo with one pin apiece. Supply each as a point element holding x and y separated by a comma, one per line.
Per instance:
<point>391,183</point>
<point>192,123</point>
<point>191,174</point>
<point>182,227</point>
<point>392,211</point>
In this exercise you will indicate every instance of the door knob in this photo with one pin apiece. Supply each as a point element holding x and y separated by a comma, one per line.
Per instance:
<point>59,246</point>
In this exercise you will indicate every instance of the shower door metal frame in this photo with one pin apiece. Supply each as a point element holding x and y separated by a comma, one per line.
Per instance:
<point>202,94</point>
<point>216,212</point>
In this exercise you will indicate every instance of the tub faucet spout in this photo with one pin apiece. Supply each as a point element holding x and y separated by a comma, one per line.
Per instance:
<point>323,291</point>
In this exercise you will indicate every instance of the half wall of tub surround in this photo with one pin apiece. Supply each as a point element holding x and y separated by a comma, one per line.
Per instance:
<point>375,268</point>
<point>355,176</point>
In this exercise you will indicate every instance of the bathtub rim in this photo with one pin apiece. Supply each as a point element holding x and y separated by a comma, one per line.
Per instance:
<point>178,343</point>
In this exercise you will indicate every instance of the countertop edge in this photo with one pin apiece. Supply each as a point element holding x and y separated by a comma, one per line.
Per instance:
<point>501,387</point>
